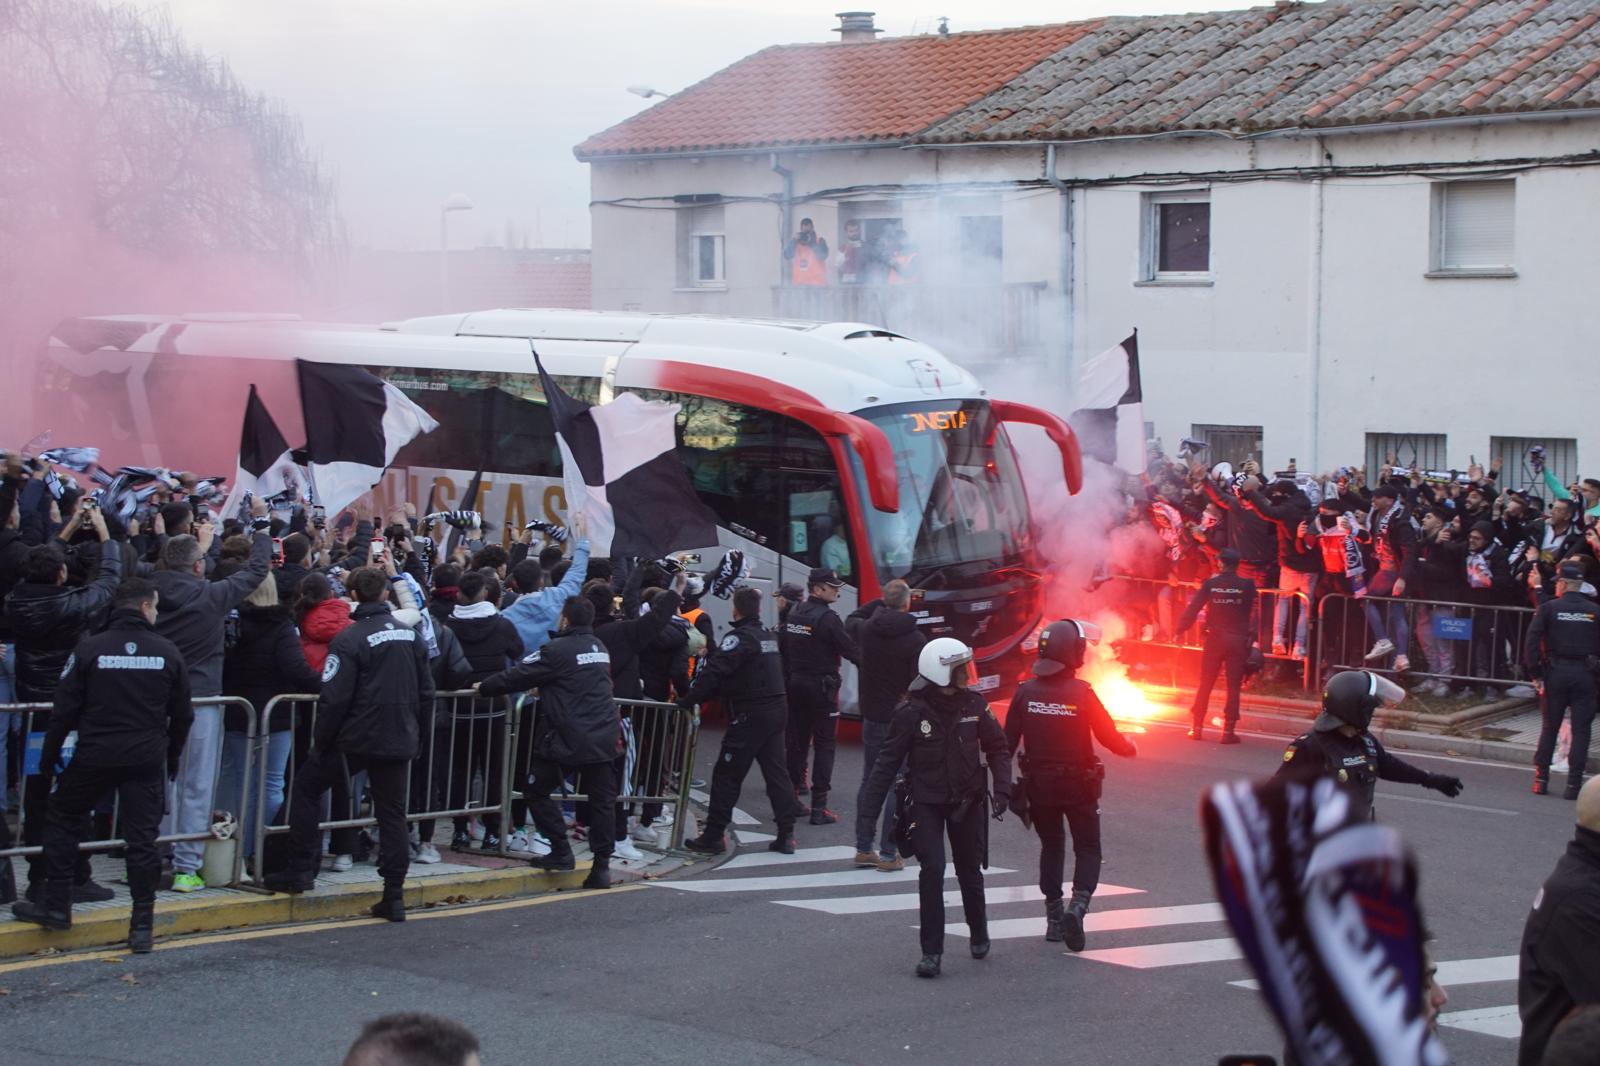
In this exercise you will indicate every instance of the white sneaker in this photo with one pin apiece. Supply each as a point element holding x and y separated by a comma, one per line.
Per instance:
<point>341,863</point>
<point>1299,651</point>
<point>1402,663</point>
<point>625,850</point>
<point>427,855</point>
<point>475,828</point>
<point>1521,692</point>
<point>518,844</point>
<point>645,834</point>
<point>1380,649</point>
<point>538,843</point>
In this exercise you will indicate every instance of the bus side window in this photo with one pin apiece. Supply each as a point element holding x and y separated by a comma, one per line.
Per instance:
<point>817,531</point>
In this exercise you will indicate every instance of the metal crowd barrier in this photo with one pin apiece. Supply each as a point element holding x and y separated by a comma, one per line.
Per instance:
<point>1488,640</point>
<point>1160,603</point>
<point>35,718</point>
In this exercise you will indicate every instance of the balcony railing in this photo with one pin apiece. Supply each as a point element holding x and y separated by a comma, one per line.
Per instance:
<point>970,322</point>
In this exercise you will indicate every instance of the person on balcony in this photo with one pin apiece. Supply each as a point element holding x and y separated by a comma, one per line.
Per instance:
<point>808,255</point>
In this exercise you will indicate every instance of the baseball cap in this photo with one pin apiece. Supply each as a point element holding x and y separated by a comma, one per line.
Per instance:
<point>791,591</point>
<point>1571,571</point>
<point>824,575</point>
<point>1228,555</point>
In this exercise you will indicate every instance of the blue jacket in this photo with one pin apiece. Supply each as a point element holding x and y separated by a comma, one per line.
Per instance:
<point>537,614</point>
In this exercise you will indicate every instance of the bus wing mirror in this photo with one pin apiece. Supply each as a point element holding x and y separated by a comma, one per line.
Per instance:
<point>1055,427</point>
<point>877,457</point>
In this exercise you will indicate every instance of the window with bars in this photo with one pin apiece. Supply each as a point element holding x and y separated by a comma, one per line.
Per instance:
<point>1426,450</point>
<point>1560,458</point>
<point>1474,227</point>
<point>1228,444</point>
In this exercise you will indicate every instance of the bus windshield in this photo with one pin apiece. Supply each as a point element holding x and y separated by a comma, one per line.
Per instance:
<point>961,495</point>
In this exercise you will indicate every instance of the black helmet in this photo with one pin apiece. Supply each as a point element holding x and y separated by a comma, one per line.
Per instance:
<point>1351,698</point>
<point>1062,645</point>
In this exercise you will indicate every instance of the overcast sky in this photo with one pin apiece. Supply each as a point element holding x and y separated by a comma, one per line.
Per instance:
<point>411,101</point>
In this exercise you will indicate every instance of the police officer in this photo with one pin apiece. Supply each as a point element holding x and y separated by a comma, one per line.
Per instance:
<point>126,692</point>
<point>1229,600</point>
<point>577,732</point>
<point>1058,718</point>
<point>814,640</point>
<point>747,675</point>
<point>1563,652</point>
<point>377,690</point>
<point>943,731</point>
<point>1340,745</point>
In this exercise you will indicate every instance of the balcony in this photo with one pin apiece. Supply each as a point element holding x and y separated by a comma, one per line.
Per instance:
<point>973,324</point>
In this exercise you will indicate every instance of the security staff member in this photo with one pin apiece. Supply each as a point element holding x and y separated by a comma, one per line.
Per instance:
<point>377,690</point>
<point>814,640</point>
<point>1058,718</point>
<point>943,732</point>
<point>577,732</point>
<point>1340,745</point>
<point>1229,600</point>
<point>1563,652</point>
<point>746,674</point>
<point>126,692</point>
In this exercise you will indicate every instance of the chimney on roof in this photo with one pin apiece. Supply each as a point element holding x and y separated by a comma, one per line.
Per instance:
<point>856,26</point>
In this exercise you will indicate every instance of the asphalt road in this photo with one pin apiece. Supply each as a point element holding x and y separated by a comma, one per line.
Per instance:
<point>714,969</point>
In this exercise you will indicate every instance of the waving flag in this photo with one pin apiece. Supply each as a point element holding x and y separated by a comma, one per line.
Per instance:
<point>266,467</point>
<point>355,425</point>
<point>620,465</point>
<point>1109,421</point>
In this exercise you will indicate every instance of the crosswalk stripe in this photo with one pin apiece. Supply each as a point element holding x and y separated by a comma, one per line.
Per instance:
<point>908,901</point>
<point>750,836</point>
<point>1154,956</point>
<point>1104,921</point>
<point>777,858</point>
<point>740,817</point>
<point>1503,1022</point>
<point>1482,971</point>
<point>798,882</point>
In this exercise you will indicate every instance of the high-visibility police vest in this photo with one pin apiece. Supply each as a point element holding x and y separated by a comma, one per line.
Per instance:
<point>693,615</point>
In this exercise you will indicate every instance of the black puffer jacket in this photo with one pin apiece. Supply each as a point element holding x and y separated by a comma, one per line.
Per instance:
<point>890,643</point>
<point>377,688</point>
<point>47,621</point>
<point>627,638</point>
<point>266,660</point>
<point>490,643</point>
<point>577,721</point>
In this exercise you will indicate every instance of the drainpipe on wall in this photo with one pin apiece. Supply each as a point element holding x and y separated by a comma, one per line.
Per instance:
<point>1069,262</point>
<point>1314,319</point>
<point>786,210</point>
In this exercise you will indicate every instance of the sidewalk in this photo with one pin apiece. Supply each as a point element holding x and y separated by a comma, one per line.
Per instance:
<point>464,877</point>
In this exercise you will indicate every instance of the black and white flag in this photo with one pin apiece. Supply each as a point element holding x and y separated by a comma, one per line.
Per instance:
<point>1109,421</point>
<point>355,425</point>
<point>266,467</point>
<point>620,465</point>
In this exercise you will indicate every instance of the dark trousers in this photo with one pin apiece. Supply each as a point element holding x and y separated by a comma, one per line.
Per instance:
<point>429,772</point>
<point>1224,652</point>
<point>1051,823</point>
<point>388,779</point>
<point>1568,686</point>
<point>934,822</point>
<point>142,791</point>
<point>597,780</point>
<point>756,737</point>
<point>813,721</point>
<point>35,816</point>
<point>477,744</point>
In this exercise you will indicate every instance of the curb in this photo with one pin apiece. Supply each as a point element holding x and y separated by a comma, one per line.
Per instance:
<point>109,927</point>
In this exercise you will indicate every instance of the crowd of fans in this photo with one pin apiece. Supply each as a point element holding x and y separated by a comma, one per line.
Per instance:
<point>1407,547</point>
<point>255,618</point>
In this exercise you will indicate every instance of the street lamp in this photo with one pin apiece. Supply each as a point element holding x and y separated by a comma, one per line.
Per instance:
<point>647,91</point>
<point>457,202</point>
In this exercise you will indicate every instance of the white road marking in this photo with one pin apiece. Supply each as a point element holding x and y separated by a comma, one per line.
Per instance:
<point>739,817</point>
<point>1385,797</point>
<point>908,901</point>
<point>1103,921</point>
<point>750,836</point>
<point>1503,1022</point>
<point>1154,956</point>
<point>777,858</point>
<point>799,882</point>
<point>1482,971</point>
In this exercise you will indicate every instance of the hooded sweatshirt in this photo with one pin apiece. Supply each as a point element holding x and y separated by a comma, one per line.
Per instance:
<point>890,644</point>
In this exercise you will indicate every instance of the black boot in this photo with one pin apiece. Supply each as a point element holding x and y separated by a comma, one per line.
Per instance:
<point>599,874</point>
<point>1053,910</point>
<point>1228,735</point>
<point>1197,727</point>
<point>54,912</point>
<point>1072,921</point>
<point>980,948</point>
<point>1574,786</point>
<point>707,843</point>
<point>392,906</point>
<point>929,966</point>
<point>784,845</point>
<point>8,882</point>
<point>291,881</point>
<point>142,882</point>
<point>559,859</point>
<point>1541,780</point>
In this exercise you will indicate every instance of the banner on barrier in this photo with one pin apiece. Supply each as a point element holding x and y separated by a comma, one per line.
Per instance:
<point>1446,627</point>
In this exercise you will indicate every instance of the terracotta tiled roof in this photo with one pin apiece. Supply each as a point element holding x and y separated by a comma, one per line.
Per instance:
<point>1341,63</point>
<point>839,93</point>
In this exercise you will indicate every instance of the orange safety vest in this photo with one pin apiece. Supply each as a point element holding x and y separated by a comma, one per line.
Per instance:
<point>809,269</point>
<point>693,616</point>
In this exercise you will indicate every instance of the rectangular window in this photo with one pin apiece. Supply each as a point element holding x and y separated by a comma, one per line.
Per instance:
<point>1473,227</point>
<point>1177,236</point>
<point>1425,450</point>
<point>701,243</point>
<point>1228,444</point>
<point>1560,458</point>
<point>980,249</point>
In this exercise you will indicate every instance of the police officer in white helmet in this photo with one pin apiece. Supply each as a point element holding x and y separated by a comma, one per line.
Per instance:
<point>944,731</point>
